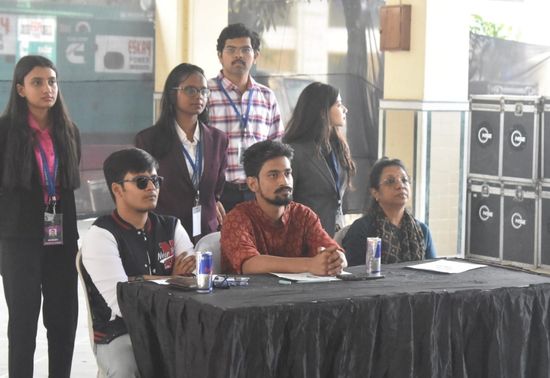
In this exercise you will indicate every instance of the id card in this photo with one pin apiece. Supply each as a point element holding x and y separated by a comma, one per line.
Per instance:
<point>196,220</point>
<point>240,151</point>
<point>53,228</point>
<point>339,221</point>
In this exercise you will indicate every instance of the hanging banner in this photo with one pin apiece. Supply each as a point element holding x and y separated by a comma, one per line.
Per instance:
<point>504,67</point>
<point>7,34</point>
<point>36,35</point>
<point>124,54</point>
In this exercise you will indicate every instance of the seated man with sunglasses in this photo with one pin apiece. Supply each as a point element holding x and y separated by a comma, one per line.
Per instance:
<point>132,243</point>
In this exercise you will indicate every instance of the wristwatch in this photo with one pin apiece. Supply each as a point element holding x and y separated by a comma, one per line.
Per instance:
<point>136,279</point>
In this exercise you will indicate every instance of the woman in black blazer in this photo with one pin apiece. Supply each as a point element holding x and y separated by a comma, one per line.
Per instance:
<point>40,154</point>
<point>192,156</point>
<point>322,166</point>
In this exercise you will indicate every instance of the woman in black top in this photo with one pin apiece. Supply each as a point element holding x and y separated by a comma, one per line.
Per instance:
<point>40,154</point>
<point>322,166</point>
<point>404,238</point>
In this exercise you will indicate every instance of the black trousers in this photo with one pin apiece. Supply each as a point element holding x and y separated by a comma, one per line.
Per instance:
<point>234,194</point>
<point>31,271</point>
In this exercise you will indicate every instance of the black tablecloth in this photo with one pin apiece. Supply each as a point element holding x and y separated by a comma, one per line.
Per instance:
<point>489,322</point>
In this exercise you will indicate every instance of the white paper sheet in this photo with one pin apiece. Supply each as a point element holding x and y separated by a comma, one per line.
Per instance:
<point>161,281</point>
<point>305,277</point>
<point>447,266</point>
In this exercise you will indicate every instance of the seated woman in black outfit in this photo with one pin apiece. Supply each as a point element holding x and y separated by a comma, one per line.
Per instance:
<point>404,238</point>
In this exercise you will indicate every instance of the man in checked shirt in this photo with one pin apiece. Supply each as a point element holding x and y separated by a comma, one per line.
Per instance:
<point>244,109</point>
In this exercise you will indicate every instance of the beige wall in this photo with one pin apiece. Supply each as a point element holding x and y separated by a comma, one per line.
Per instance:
<point>400,139</point>
<point>170,28</point>
<point>186,31</point>
<point>404,70</point>
<point>432,75</point>
<point>436,66</point>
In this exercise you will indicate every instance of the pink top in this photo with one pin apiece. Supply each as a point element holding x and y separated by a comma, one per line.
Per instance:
<point>45,139</point>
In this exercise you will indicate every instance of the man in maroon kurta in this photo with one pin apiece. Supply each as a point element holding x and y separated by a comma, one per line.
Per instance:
<point>272,233</point>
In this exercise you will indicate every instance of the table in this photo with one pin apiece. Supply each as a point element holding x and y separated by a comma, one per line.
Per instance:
<point>489,322</point>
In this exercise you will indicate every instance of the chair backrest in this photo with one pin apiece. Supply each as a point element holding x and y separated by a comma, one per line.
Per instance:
<point>211,242</point>
<point>340,234</point>
<point>78,262</point>
<point>83,284</point>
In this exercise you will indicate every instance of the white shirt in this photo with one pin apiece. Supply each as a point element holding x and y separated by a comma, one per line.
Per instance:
<point>190,146</point>
<point>102,261</point>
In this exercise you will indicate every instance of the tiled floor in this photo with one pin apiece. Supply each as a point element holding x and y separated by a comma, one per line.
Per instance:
<point>84,365</point>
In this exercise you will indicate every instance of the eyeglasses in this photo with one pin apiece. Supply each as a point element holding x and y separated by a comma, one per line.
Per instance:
<point>193,91</point>
<point>220,282</point>
<point>391,181</point>
<point>143,181</point>
<point>245,50</point>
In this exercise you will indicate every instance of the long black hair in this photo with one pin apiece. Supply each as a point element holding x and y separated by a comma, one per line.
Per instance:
<point>19,158</point>
<point>310,121</point>
<point>165,132</point>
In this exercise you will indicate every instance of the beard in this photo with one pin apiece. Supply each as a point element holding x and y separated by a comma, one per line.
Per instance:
<point>279,200</point>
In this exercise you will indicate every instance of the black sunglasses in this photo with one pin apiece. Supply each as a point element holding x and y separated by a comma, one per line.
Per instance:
<point>142,181</point>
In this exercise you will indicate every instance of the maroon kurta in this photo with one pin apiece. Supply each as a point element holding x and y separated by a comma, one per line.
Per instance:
<point>248,232</point>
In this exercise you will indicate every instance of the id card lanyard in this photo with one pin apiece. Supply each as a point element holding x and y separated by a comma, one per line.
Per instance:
<point>196,166</point>
<point>336,171</point>
<point>338,185</point>
<point>53,222</point>
<point>243,118</point>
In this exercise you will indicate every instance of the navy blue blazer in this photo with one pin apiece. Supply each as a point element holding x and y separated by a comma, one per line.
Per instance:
<point>177,194</point>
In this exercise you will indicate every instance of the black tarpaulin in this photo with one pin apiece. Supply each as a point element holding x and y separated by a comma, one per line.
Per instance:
<point>488,322</point>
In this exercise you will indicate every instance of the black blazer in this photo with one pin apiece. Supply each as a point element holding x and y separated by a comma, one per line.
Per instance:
<point>314,184</point>
<point>177,194</point>
<point>22,210</point>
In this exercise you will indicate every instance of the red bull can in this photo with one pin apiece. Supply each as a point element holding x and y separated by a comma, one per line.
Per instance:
<point>377,260</point>
<point>204,271</point>
<point>373,256</point>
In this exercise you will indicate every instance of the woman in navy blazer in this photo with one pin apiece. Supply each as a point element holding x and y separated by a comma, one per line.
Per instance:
<point>40,154</point>
<point>322,166</point>
<point>191,155</point>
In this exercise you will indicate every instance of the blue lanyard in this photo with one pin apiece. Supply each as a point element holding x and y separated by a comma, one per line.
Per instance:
<point>49,177</point>
<point>336,172</point>
<point>195,165</point>
<point>242,117</point>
